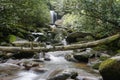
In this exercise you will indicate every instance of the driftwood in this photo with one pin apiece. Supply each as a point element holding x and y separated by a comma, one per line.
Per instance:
<point>60,48</point>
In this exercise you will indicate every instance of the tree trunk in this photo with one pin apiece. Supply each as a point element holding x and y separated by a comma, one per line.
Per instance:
<point>60,48</point>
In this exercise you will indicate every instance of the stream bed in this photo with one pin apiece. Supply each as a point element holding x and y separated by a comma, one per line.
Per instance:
<point>56,65</point>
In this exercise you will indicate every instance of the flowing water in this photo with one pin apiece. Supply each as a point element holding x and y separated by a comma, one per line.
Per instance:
<point>53,16</point>
<point>56,65</point>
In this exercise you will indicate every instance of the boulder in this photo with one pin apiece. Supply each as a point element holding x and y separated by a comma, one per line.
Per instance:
<point>81,57</point>
<point>69,57</point>
<point>78,36</point>
<point>66,74</point>
<point>110,69</point>
<point>85,55</point>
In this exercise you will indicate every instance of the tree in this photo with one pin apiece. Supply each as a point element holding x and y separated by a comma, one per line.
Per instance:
<point>18,17</point>
<point>99,17</point>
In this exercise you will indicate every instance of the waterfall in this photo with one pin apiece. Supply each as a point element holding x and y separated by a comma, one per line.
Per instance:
<point>36,39</point>
<point>64,42</point>
<point>53,16</point>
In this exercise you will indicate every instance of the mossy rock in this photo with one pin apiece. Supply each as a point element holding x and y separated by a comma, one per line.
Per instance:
<point>77,36</point>
<point>104,57</point>
<point>96,65</point>
<point>110,69</point>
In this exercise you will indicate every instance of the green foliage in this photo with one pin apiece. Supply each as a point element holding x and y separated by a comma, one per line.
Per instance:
<point>70,21</point>
<point>21,16</point>
<point>100,17</point>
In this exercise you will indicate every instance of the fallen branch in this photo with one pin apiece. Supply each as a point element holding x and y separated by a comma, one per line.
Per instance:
<point>61,48</point>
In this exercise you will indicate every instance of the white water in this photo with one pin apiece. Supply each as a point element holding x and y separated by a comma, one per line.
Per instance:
<point>57,63</point>
<point>26,76</point>
<point>36,39</point>
<point>53,16</point>
<point>64,42</point>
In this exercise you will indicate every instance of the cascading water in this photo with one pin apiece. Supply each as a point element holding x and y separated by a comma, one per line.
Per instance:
<point>53,16</point>
<point>64,42</point>
<point>57,63</point>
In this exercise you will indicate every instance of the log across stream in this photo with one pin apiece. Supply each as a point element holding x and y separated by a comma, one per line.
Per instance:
<point>61,48</point>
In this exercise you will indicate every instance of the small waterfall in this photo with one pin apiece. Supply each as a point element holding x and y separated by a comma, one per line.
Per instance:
<point>64,42</point>
<point>37,36</point>
<point>36,39</point>
<point>53,16</point>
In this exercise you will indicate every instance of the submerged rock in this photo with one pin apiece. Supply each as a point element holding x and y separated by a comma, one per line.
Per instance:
<point>28,64</point>
<point>39,70</point>
<point>110,69</point>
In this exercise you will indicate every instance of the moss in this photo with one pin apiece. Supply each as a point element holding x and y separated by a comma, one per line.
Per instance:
<point>110,69</point>
<point>103,58</point>
<point>101,48</point>
<point>118,51</point>
<point>96,66</point>
<point>106,63</point>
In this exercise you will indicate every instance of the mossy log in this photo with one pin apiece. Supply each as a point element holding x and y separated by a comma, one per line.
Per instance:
<point>60,48</point>
<point>26,44</point>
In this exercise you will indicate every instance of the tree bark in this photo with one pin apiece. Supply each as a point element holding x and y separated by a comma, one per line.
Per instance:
<point>61,48</point>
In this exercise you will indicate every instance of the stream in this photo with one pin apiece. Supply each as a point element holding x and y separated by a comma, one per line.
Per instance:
<point>57,64</point>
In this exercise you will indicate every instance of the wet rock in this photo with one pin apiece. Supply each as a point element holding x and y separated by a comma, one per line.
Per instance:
<point>69,57</point>
<point>8,69</point>
<point>39,70</point>
<point>47,59</point>
<point>110,69</point>
<point>70,79</point>
<point>73,75</point>
<point>38,60</point>
<point>81,57</point>
<point>87,78</point>
<point>64,75</point>
<point>85,55</point>
<point>28,64</point>
<point>96,64</point>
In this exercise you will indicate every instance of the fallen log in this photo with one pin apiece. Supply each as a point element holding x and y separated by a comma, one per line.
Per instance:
<point>61,48</point>
<point>27,44</point>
